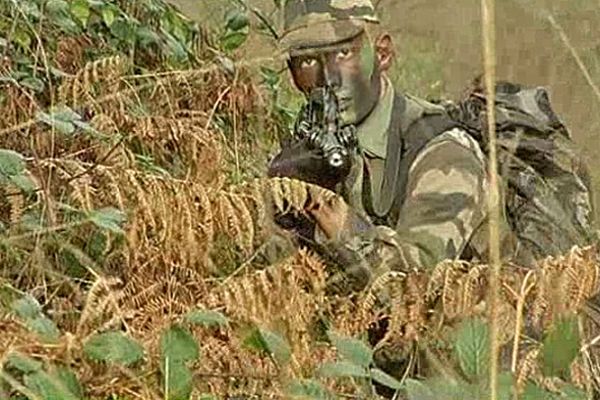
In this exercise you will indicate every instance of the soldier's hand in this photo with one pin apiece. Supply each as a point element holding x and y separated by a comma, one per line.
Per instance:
<point>331,217</point>
<point>337,220</point>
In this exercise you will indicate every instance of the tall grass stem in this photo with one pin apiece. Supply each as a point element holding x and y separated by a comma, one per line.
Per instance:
<point>489,60</point>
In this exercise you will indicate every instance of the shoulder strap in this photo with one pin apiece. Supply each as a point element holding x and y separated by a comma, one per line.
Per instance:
<point>412,125</point>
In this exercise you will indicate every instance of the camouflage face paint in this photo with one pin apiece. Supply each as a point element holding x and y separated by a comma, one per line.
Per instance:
<point>359,87</point>
<point>350,68</point>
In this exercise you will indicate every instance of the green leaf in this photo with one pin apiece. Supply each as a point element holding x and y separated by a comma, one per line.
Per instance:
<point>560,346</point>
<point>69,380</point>
<point>177,345</point>
<point>48,387</point>
<point>352,350</point>
<point>108,218</point>
<point>147,36</point>
<point>233,40</point>
<point>23,363</point>
<point>57,7</point>
<point>177,381</point>
<point>472,347</point>
<point>81,10</point>
<point>44,327</point>
<point>441,389</point>
<point>108,16</point>
<point>341,369</point>
<point>417,390</point>
<point>113,347</point>
<point>206,318</point>
<point>123,30</point>
<point>24,182</point>
<point>87,128</point>
<point>276,346</point>
<point>236,19</point>
<point>35,84</point>
<point>175,48</point>
<point>11,163</point>
<point>27,307</point>
<point>22,38</point>
<point>308,389</point>
<point>59,13</point>
<point>534,392</point>
<point>32,10</point>
<point>61,118</point>
<point>505,386</point>
<point>385,379</point>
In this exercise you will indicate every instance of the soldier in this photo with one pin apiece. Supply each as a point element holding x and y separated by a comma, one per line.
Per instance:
<point>420,177</point>
<point>443,211</point>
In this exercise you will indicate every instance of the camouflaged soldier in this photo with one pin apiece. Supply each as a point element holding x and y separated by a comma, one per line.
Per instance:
<point>424,191</point>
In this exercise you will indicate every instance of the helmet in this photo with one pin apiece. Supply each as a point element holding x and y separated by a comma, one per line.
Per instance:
<point>315,23</point>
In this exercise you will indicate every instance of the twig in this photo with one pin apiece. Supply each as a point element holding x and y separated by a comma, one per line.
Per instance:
<point>575,54</point>
<point>260,15</point>
<point>489,54</point>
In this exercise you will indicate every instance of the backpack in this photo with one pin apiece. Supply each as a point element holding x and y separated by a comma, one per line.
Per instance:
<point>548,196</point>
<point>547,189</point>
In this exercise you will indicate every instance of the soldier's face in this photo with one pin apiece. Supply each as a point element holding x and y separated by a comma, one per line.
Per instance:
<point>350,68</point>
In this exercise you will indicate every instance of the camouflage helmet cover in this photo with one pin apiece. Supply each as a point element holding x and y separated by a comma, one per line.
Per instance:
<point>314,23</point>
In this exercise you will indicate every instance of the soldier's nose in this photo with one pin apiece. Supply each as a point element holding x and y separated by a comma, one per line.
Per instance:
<point>332,75</point>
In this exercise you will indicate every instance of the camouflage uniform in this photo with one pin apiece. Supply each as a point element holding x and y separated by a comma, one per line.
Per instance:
<point>437,208</point>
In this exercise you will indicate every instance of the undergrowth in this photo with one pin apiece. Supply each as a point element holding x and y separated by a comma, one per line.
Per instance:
<point>139,260</point>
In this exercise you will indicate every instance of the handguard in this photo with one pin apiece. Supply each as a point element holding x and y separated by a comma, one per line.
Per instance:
<point>320,124</point>
<point>320,150</point>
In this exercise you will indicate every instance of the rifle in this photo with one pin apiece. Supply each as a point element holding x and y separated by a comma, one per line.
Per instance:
<point>320,150</point>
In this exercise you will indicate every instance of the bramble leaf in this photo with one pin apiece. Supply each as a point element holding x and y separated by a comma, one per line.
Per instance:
<point>385,379</point>
<point>108,218</point>
<point>48,387</point>
<point>206,318</point>
<point>472,348</point>
<point>178,345</point>
<point>340,369</point>
<point>177,381</point>
<point>560,346</point>
<point>352,350</point>
<point>23,363</point>
<point>113,347</point>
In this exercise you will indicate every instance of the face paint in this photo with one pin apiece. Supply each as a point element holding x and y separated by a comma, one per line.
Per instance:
<point>350,68</point>
<point>360,86</point>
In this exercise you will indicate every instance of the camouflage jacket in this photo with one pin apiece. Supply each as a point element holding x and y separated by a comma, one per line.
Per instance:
<point>438,211</point>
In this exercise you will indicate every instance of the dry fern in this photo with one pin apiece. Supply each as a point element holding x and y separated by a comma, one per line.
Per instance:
<point>94,79</point>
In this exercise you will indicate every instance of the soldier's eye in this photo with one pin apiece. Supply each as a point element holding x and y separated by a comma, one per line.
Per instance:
<point>308,63</point>
<point>344,53</point>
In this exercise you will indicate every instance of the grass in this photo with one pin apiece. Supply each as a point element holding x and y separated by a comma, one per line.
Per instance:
<point>151,227</point>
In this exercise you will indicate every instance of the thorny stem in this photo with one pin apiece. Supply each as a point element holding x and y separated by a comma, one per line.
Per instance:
<point>489,54</point>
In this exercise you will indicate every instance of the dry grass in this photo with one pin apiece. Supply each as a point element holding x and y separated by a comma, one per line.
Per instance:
<point>196,237</point>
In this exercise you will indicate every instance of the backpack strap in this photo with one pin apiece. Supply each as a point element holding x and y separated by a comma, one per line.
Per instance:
<point>413,124</point>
